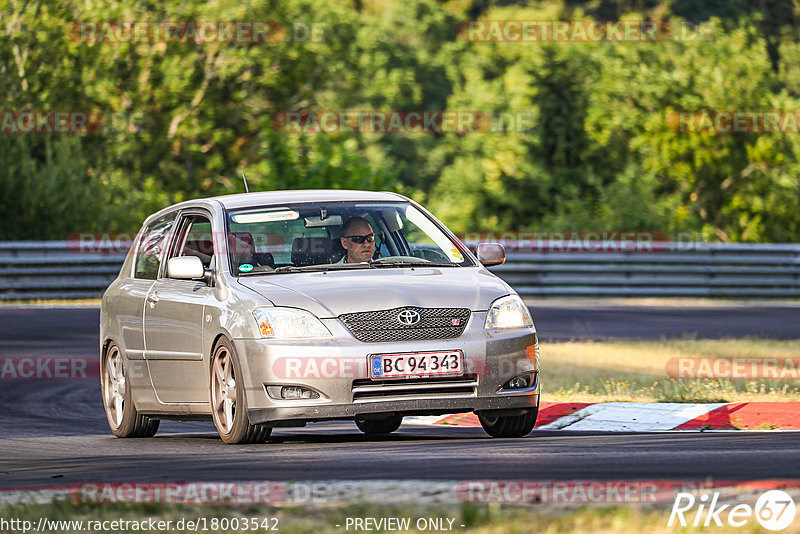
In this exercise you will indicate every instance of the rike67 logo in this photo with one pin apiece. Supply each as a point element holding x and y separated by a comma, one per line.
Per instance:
<point>774,510</point>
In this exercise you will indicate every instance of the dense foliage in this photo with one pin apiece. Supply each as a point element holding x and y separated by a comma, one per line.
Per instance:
<point>183,119</point>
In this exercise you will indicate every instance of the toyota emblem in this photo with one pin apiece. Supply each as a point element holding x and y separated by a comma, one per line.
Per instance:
<point>408,317</point>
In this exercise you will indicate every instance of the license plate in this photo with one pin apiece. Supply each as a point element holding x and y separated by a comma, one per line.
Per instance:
<point>416,364</point>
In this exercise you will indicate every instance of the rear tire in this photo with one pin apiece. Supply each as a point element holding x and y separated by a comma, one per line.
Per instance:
<point>373,427</point>
<point>228,402</point>
<point>509,426</point>
<point>124,420</point>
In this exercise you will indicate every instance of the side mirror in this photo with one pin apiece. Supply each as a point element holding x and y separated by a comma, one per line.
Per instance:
<point>185,268</point>
<point>490,254</point>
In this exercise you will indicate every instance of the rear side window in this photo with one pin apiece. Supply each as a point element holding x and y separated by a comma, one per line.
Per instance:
<point>152,242</point>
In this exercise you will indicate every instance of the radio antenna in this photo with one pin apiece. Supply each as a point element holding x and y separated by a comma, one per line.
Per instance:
<point>244,179</point>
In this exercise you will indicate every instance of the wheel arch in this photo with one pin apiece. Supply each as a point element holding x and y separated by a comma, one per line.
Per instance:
<point>220,334</point>
<point>104,350</point>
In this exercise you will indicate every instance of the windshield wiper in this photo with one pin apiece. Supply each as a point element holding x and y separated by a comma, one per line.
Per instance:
<point>378,263</point>
<point>255,271</point>
<point>312,268</point>
<point>349,266</point>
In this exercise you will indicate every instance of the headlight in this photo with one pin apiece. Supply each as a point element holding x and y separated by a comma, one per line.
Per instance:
<point>280,323</point>
<point>508,312</point>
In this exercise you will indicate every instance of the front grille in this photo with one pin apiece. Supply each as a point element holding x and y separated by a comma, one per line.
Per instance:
<point>382,325</point>
<point>368,390</point>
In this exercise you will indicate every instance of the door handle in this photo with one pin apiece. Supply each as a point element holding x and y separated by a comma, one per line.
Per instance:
<point>152,298</point>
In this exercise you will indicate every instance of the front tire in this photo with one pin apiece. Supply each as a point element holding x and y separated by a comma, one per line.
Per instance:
<point>509,426</point>
<point>228,402</point>
<point>124,420</point>
<point>372,427</point>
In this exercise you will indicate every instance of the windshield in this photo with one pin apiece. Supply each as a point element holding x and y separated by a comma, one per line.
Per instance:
<point>337,235</point>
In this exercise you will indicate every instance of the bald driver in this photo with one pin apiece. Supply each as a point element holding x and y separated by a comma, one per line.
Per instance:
<point>358,240</point>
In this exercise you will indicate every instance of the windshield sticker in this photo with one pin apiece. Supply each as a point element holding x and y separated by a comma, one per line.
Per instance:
<point>456,254</point>
<point>245,268</point>
<point>265,216</point>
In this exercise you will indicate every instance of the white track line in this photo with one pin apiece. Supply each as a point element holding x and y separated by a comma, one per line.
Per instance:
<point>631,416</point>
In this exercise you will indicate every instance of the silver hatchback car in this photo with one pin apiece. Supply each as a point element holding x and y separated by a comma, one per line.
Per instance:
<point>276,309</point>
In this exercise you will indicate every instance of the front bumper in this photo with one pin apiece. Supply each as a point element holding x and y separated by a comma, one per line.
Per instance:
<point>336,368</point>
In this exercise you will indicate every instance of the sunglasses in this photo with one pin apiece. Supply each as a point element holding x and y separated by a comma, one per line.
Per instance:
<point>359,239</point>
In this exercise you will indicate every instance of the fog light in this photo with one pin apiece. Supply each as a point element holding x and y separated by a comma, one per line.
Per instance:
<point>297,392</point>
<point>291,392</point>
<point>518,382</point>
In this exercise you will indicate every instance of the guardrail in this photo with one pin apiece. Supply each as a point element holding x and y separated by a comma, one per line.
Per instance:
<point>669,270</point>
<point>61,270</point>
<point>57,269</point>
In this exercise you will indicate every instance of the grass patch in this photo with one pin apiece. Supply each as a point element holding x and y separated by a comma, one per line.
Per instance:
<point>636,371</point>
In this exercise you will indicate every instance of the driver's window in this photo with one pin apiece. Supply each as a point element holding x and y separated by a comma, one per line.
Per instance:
<point>198,240</point>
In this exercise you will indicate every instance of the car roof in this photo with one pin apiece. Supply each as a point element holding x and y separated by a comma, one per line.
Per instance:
<point>263,198</point>
<point>266,198</point>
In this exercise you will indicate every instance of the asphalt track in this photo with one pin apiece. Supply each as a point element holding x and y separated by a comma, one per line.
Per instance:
<point>75,328</point>
<point>53,432</point>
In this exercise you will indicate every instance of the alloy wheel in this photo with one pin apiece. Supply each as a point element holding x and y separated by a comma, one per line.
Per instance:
<point>224,389</point>
<point>114,386</point>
